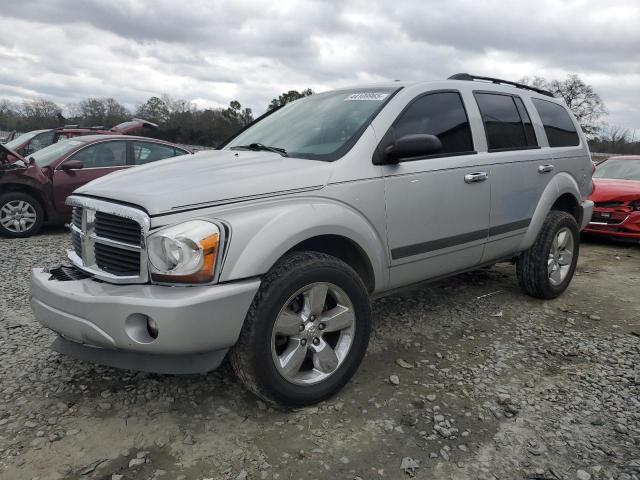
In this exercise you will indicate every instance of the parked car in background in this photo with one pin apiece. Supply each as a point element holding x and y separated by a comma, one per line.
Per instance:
<point>31,142</point>
<point>616,196</point>
<point>33,190</point>
<point>271,247</point>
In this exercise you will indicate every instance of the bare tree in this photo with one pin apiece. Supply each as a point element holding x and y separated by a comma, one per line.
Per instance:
<point>581,98</point>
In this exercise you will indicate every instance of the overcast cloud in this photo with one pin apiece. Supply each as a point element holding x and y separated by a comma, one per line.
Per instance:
<point>211,52</point>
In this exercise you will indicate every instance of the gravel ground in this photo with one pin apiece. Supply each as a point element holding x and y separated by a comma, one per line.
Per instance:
<point>464,379</point>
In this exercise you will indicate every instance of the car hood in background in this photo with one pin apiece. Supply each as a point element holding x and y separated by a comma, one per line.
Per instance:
<point>9,156</point>
<point>208,178</point>
<point>606,190</point>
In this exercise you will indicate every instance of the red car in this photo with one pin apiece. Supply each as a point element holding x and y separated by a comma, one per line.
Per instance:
<point>31,142</point>
<point>33,190</point>
<point>616,195</point>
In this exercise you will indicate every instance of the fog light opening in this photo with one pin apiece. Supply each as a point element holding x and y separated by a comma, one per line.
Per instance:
<point>152,328</point>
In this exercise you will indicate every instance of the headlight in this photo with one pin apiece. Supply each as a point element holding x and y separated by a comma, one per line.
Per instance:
<point>184,253</point>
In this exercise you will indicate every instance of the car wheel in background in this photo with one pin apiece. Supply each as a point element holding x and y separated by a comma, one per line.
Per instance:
<point>306,332</point>
<point>21,215</point>
<point>546,269</point>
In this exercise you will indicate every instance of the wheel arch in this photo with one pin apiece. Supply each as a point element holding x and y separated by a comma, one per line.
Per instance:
<point>259,239</point>
<point>562,193</point>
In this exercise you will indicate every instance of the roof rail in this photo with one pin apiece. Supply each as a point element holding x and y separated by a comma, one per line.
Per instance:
<point>466,76</point>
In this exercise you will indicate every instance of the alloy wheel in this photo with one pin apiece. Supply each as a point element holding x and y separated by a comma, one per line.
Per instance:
<point>560,256</point>
<point>313,333</point>
<point>17,216</point>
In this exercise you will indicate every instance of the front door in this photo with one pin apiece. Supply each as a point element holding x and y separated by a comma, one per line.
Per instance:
<point>97,160</point>
<point>437,206</point>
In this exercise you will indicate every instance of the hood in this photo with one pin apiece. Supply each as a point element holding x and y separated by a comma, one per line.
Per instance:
<point>208,177</point>
<point>132,126</point>
<point>606,190</point>
<point>10,157</point>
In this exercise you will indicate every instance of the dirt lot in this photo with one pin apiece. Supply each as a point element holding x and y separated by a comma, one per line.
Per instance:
<point>492,385</point>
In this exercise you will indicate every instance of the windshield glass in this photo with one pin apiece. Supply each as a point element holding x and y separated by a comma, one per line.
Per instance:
<point>25,137</point>
<point>619,170</point>
<point>50,154</point>
<point>322,126</point>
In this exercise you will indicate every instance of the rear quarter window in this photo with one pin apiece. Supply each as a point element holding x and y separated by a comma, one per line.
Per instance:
<point>560,130</point>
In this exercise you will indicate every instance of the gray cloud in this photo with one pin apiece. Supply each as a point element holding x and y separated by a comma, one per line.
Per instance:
<point>214,51</point>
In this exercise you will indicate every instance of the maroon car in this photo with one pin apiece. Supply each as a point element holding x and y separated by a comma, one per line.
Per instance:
<point>31,142</point>
<point>33,190</point>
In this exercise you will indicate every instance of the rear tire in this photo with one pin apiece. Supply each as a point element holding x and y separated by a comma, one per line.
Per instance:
<point>21,215</point>
<point>546,269</point>
<point>289,351</point>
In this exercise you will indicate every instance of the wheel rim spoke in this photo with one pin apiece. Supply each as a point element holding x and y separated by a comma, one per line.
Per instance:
<point>315,298</point>
<point>560,256</point>
<point>338,318</point>
<point>324,357</point>
<point>288,323</point>
<point>292,358</point>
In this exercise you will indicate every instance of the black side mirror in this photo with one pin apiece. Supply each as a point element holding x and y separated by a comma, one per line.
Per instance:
<point>72,165</point>
<point>416,145</point>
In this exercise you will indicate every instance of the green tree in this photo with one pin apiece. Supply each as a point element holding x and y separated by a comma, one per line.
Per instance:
<point>94,111</point>
<point>289,96</point>
<point>155,110</point>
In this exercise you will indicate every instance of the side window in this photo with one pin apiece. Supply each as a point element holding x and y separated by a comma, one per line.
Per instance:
<point>440,114</point>
<point>144,152</point>
<point>529,132</point>
<point>503,124</point>
<point>560,130</point>
<point>104,154</point>
<point>40,141</point>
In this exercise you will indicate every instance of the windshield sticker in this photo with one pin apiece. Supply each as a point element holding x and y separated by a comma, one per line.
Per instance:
<point>371,96</point>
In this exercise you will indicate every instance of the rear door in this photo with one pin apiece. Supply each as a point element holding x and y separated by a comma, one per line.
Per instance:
<point>517,174</point>
<point>437,206</point>
<point>98,159</point>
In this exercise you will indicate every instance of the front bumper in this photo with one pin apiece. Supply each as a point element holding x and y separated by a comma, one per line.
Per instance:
<point>618,223</point>
<point>107,323</point>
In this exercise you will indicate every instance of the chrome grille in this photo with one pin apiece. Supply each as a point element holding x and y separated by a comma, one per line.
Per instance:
<point>108,240</point>
<point>76,217</point>
<point>117,228</point>
<point>116,260</point>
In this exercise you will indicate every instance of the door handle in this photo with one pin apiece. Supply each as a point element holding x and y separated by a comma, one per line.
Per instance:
<point>545,168</point>
<point>476,177</point>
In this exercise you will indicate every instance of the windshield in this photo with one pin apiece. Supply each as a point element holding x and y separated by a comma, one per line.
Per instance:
<point>50,154</point>
<point>323,126</point>
<point>25,137</point>
<point>619,170</point>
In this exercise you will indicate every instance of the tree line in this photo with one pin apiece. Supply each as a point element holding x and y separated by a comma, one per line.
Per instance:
<point>178,120</point>
<point>181,121</point>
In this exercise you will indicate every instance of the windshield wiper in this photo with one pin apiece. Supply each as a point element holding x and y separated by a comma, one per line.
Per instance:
<point>260,147</point>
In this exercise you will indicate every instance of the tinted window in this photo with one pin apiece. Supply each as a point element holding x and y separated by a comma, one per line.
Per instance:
<point>529,133</point>
<point>560,130</point>
<point>144,152</point>
<point>104,154</point>
<point>439,114</point>
<point>503,125</point>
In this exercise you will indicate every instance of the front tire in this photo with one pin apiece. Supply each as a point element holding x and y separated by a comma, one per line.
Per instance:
<point>306,331</point>
<point>546,269</point>
<point>21,215</point>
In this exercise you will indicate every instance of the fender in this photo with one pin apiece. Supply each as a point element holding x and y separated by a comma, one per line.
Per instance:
<point>260,236</point>
<point>560,184</point>
<point>42,191</point>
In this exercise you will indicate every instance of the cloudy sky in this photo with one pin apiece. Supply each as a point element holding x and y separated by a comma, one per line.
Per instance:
<point>214,51</point>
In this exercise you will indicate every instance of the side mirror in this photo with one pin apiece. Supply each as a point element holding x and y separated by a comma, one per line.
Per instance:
<point>72,165</point>
<point>416,145</point>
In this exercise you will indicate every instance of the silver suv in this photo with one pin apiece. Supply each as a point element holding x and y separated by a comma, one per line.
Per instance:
<point>270,248</point>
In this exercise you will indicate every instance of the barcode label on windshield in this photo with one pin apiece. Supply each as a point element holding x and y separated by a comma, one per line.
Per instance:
<point>371,96</point>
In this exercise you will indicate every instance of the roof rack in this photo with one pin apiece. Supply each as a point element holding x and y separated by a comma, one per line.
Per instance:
<point>466,76</point>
